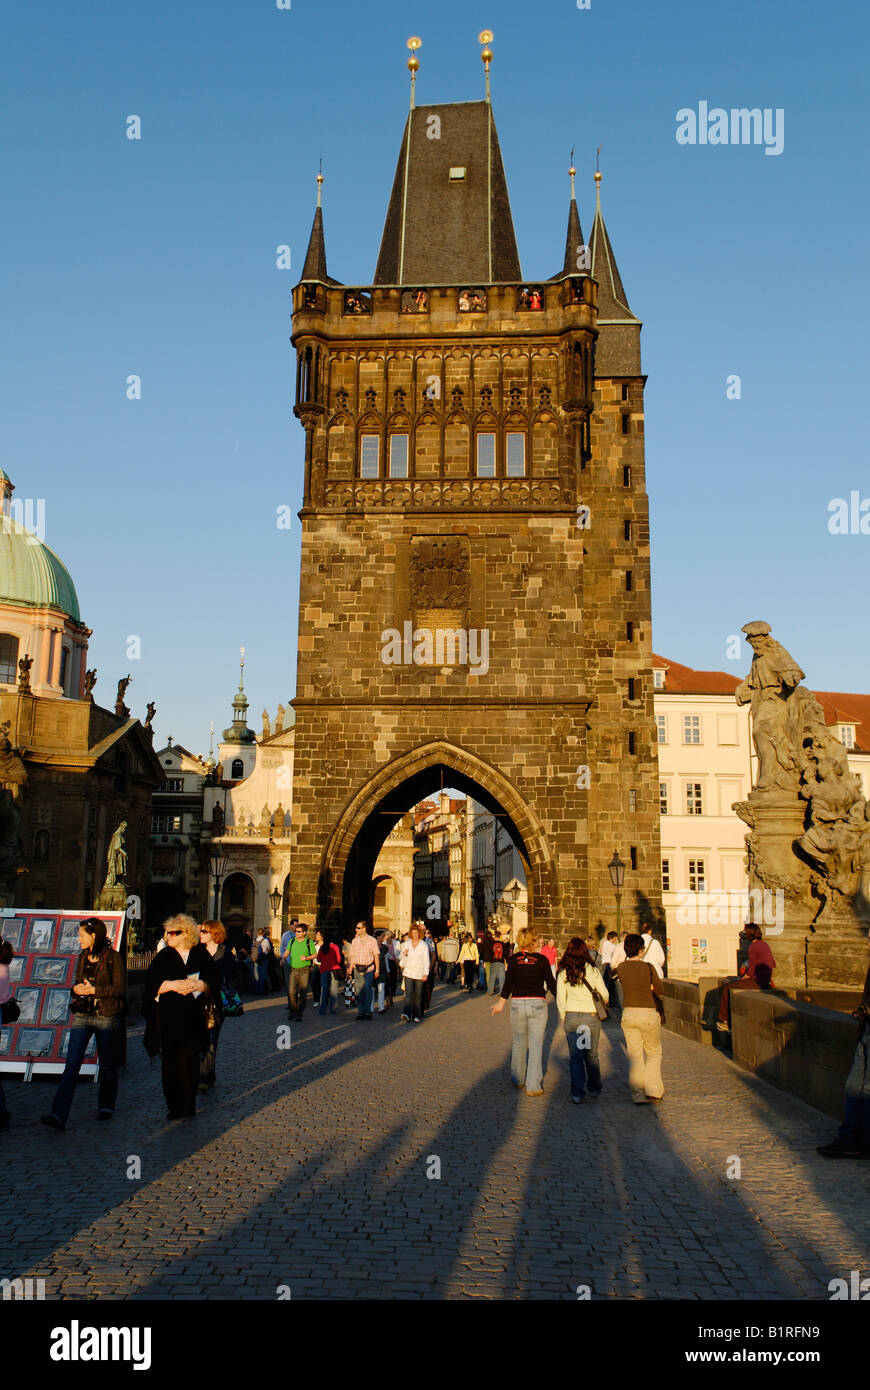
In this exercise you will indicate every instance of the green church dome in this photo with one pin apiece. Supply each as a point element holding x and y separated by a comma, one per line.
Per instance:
<point>31,574</point>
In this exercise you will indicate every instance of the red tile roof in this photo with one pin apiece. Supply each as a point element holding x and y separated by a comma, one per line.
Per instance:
<point>683,680</point>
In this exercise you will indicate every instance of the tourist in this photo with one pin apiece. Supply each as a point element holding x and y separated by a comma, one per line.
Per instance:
<point>287,938</point>
<point>759,975</point>
<point>500,954</point>
<point>300,956</point>
<point>329,964</point>
<point>392,968</point>
<point>415,972</point>
<point>549,952</point>
<point>485,947</point>
<point>853,1136</point>
<point>448,953</point>
<point>577,985</point>
<point>365,961</point>
<point>212,936</point>
<point>469,960</point>
<point>175,998</point>
<point>641,1023</point>
<point>433,962</point>
<point>527,979</point>
<point>608,948</point>
<point>262,951</point>
<point>653,952</point>
<point>97,1003</point>
<point>481,968</point>
<point>592,947</point>
<point>380,989</point>
<point>7,1008</point>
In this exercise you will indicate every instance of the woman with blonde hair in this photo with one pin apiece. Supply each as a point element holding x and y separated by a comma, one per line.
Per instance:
<point>180,984</point>
<point>469,961</point>
<point>213,936</point>
<point>527,979</point>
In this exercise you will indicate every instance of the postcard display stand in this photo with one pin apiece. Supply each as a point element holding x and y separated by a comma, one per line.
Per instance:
<point>42,972</point>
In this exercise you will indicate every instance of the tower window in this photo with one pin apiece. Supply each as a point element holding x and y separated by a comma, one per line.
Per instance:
<point>486,456</point>
<point>629,632</point>
<point>631,684</point>
<point>8,658</point>
<point>632,856</point>
<point>632,799</point>
<point>626,476</point>
<point>625,424</point>
<point>398,456</point>
<point>632,743</point>
<point>516,455</point>
<point>237,770</point>
<point>64,659</point>
<point>627,530</point>
<point>624,391</point>
<point>369,456</point>
<point>629,581</point>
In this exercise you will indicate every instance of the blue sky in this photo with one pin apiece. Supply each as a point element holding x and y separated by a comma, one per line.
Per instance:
<point>157,257</point>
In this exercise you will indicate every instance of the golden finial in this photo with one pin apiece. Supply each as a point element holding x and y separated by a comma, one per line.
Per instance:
<point>320,184</point>
<point>571,172</point>
<point>413,65</point>
<point>597,181</point>
<point>486,37</point>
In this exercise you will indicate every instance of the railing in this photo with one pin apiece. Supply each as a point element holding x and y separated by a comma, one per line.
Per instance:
<point>253,832</point>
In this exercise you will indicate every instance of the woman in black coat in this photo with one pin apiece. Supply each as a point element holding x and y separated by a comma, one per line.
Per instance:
<point>180,984</point>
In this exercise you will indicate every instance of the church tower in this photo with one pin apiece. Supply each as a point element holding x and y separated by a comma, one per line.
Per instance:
<point>475,577</point>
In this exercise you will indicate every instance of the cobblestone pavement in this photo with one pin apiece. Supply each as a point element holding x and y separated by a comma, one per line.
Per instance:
<point>308,1168</point>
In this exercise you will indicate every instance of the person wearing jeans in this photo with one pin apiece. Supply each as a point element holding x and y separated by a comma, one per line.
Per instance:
<point>641,1023</point>
<point>99,995</point>
<point>300,955</point>
<point>364,957</point>
<point>527,979</point>
<point>575,999</point>
<point>415,972</point>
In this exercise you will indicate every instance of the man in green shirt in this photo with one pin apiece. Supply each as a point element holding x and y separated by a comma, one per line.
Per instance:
<point>299,954</point>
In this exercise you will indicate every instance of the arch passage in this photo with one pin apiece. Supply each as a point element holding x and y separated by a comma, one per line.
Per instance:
<point>352,849</point>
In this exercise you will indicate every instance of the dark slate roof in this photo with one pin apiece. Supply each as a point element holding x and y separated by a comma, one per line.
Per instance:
<point>315,257</point>
<point>443,232</point>
<point>612,299</point>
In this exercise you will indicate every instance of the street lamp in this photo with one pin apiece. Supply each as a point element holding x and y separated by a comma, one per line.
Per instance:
<point>617,878</point>
<point>275,899</point>
<point>218,866</point>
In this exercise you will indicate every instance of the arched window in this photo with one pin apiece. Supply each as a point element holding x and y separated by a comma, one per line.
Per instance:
<point>8,658</point>
<point>238,770</point>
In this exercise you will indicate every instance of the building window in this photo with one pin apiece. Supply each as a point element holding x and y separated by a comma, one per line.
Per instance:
<point>697,877</point>
<point>624,392</point>
<point>691,728</point>
<point>157,825</point>
<point>663,798</point>
<point>236,894</point>
<point>8,658</point>
<point>175,784</point>
<point>516,456</point>
<point>486,456</point>
<point>629,581</point>
<point>632,743</point>
<point>237,770</point>
<point>632,856</point>
<point>666,875</point>
<point>631,684</point>
<point>173,824</point>
<point>64,660</point>
<point>632,799</point>
<point>661,728</point>
<point>627,530</point>
<point>658,680</point>
<point>398,456</point>
<point>629,632</point>
<point>626,476</point>
<point>369,456</point>
<point>848,735</point>
<point>694,806</point>
<point>625,424</point>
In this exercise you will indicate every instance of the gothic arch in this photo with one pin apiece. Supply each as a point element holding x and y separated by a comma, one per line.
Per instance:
<point>353,846</point>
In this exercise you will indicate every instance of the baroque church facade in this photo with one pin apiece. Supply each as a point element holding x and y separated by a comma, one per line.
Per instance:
<point>475,576</point>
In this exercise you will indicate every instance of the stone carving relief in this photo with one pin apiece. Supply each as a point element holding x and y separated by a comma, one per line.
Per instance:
<point>439,575</point>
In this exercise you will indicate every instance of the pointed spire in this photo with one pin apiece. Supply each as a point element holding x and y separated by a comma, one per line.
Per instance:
<point>315,257</point>
<point>238,732</point>
<point>486,37</point>
<point>574,242</point>
<point>612,299</point>
<point>413,66</point>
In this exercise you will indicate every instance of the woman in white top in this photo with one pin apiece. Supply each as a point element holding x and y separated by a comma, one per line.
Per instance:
<point>576,980</point>
<point>415,972</point>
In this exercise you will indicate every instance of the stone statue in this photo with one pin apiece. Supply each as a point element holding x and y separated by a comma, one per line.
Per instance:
<point>279,720</point>
<point>120,708</point>
<point>13,773</point>
<point>280,817</point>
<point>113,894</point>
<point>152,710</point>
<point>771,680</point>
<point>90,682</point>
<point>267,732</point>
<point>217,820</point>
<point>24,666</point>
<point>810,823</point>
<point>265,820</point>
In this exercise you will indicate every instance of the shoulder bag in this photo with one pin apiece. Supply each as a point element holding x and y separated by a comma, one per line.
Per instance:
<point>600,1006</point>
